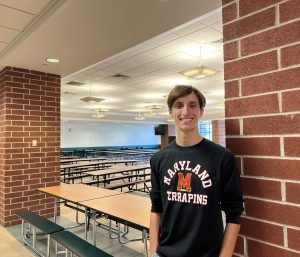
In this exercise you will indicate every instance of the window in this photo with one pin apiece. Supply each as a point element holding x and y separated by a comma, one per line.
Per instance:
<point>206,129</point>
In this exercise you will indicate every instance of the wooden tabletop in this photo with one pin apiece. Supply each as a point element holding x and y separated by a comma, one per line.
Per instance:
<point>133,210</point>
<point>77,192</point>
<point>115,170</point>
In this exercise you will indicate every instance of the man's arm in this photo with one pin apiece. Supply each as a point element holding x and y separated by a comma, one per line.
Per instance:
<point>154,228</point>
<point>229,240</point>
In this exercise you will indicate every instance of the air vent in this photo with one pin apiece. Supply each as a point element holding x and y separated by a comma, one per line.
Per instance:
<point>75,83</point>
<point>120,76</point>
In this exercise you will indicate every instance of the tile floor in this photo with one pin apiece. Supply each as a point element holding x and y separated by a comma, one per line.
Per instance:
<point>11,244</point>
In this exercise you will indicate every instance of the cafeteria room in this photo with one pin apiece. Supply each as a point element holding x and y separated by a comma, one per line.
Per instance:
<point>84,93</point>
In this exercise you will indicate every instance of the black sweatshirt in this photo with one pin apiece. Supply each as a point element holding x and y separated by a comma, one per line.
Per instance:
<point>190,187</point>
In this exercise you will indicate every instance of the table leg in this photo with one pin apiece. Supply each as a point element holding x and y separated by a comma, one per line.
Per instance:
<point>145,242</point>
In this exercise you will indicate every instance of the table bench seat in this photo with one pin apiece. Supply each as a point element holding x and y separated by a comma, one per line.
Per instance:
<point>46,226</point>
<point>77,245</point>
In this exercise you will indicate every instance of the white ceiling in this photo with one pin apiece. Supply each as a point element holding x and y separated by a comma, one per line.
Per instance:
<point>148,41</point>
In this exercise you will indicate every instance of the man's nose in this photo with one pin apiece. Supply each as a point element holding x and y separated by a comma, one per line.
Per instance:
<point>185,110</point>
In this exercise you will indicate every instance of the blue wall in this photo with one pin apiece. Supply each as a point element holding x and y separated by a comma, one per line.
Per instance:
<point>107,135</point>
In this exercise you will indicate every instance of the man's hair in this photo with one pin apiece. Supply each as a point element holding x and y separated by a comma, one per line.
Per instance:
<point>184,90</point>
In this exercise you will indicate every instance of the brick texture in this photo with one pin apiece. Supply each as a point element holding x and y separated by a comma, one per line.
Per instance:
<point>293,192</point>
<point>291,101</point>
<point>292,146</point>
<point>278,80</point>
<point>262,110</point>
<point>227,1</point>
<point>232,127</point>
<point>252,105</point>
<point>164,139</point>
<point>276,212</point>
<point>271,38</point>
<point>231,89</point>
<point>294,239</point>
<point>30,110</point>
<point>262,231</point>
<point>251,65</point>
<point>256,249</point>
<point>272,168</point>
<point>290,55</point>
<point>218,132</point>
<point>272,125</point>
<point>250,6</point>
<point>229,12</point>
<point>254,146</point>
<point>248,25</point>
<point>261,188</point>
<point>289,10</point>
<point>239,246</point>
<point>231,51</point>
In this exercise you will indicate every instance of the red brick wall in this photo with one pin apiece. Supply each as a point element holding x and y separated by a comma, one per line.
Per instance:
<point>164,139</point>
<point>218,132</point>
<point>29,110</point>
<point>262,106</point>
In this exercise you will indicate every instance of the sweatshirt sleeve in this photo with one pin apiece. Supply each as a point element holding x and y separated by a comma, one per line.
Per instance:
<point>232,198</point>
<point>155,193</point>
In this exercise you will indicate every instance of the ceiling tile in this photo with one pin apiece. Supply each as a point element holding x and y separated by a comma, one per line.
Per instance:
<point>164,38</point>
<point>218,26</point>
<point>31,6</point>
<point>190,28</point>
<point>7,35</point>
<point>215,17</point>
<point>14,19</point>
<point>2,46</point>
<point>205,35</point>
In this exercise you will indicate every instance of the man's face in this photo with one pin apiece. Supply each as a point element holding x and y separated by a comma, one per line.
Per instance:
<point>186,112</point>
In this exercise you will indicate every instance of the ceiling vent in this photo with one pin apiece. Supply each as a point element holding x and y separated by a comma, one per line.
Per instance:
<point>75,83</point>
<point>120,76</point>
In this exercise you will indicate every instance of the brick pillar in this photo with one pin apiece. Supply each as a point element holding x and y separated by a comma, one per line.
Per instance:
<point>164,139</point>
<point>262,91</point>
<point>218,132</point>
<point>30,110</point>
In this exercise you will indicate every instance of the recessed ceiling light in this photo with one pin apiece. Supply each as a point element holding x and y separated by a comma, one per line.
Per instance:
<point>53,60</point>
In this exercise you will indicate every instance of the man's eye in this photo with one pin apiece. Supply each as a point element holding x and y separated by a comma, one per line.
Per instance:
<point>178,105</point>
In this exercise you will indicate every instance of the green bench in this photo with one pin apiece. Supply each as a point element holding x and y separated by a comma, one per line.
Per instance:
<point>77,245</point>
<point>36,221</point>
<point>71,242</point>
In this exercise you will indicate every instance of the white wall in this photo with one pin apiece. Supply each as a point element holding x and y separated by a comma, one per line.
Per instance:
<point>107,135</point>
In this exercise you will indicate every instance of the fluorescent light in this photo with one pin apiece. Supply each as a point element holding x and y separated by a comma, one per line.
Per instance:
<point>199,72</point>
<point>101,110</point>
<point>98,116</point>
<point>53,60</point>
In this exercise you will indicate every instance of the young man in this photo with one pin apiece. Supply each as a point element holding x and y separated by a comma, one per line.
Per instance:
<point>193,179</point>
